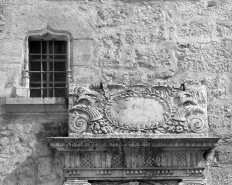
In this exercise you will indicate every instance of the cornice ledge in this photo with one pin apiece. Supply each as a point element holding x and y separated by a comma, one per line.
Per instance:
<point>128,140</point>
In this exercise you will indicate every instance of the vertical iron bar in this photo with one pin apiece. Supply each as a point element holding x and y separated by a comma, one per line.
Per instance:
<point>53,71</point>
<point>41,66</point>
<point>47,74</point>
<point>29,67</point>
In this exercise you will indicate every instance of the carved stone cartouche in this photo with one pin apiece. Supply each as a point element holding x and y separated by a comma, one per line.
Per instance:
<point>138,109</point>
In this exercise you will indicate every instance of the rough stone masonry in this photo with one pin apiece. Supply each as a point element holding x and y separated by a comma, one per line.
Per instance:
<point>114,41</point>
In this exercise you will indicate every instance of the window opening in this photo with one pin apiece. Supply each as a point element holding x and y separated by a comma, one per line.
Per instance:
<point>47,68</point>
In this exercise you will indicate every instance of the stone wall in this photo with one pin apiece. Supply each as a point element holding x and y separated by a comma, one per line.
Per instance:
<point>116,41</point>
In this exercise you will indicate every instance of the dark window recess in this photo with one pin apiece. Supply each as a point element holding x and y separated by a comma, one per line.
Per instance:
<point>47,68</point>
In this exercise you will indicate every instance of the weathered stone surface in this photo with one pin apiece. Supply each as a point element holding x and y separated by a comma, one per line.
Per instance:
<point>150,34</point>
<point>147,13</point>
<point>85,74</point>
<point>11,50</point>
<point>221,176</point>
<point>224,29</point>
<point>83,52</point>
<point>24,150</point>
<point>225,155</point>
<point>109,51</point>
<point>112,16</point>
<point>115,41</point>
<point>137,111</point>
<point>213,57</point>
<point>195,28</point>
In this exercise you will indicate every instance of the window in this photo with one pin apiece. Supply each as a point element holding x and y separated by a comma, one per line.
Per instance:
<point>47,67</point>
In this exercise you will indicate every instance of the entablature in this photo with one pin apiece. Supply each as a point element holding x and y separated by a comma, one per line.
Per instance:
<point>133,156</point>
<point>136,132</point>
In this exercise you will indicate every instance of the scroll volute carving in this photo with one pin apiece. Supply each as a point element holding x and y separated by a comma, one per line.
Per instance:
<point>191,108</point>
<point>160,109</point>
<point>86,112</point>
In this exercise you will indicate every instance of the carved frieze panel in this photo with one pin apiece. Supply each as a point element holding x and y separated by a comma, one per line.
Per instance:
<point>160,109</point>
<point>87,160</point>
<point>118,160</point>
<point>136,159</point>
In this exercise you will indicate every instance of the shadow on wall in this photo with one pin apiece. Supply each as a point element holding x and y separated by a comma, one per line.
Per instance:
<point>25,157</point>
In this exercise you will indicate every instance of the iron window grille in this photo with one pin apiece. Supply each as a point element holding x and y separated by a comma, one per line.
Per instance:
<point>47,68</point>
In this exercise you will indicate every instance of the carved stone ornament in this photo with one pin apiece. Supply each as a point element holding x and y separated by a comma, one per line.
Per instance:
<point>159,109</point>
<point>135,135</point>
<point>140,159</point>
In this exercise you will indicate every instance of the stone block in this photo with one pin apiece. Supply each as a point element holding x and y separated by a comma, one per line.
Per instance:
<point>36,16</point>
<point>224,29</point>
<point>224,155</point>
<point>7,2</point>
<point>150,34</point>
<point>82,52</point>
<point>122,76</point>
<point>10,78</point>
<point>195,29</point>
<point>157,62</point>
<point>147,13</point>
<point>220,119</point>
<point>11,50</point>
<point>112,16</point>
<point>109,50</point>
<point>83,75</point>
<point>221,176</point>
<point>212,57</point>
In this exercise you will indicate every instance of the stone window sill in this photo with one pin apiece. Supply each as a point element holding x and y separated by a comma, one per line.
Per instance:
<point>33,105</point>
<point>37,101</point>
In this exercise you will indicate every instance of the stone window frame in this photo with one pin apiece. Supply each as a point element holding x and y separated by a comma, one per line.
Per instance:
<point>25,81</point>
